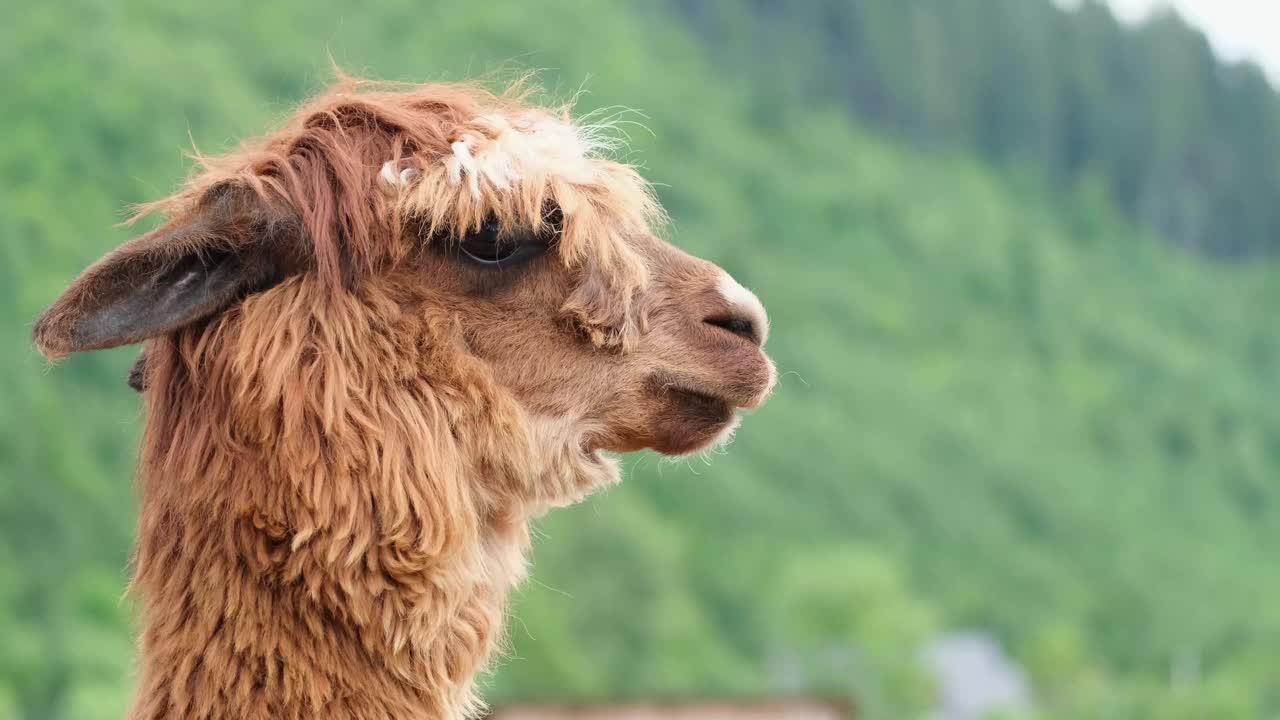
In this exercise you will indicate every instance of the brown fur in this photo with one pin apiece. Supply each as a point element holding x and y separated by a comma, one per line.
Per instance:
<point>341,458</point>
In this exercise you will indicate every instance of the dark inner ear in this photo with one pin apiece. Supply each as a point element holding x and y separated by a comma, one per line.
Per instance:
<point>197,286</point>
<point>188,269</point>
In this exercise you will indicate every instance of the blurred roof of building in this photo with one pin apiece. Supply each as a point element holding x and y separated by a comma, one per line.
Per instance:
<point>779,709</point>
<point>974,677</point>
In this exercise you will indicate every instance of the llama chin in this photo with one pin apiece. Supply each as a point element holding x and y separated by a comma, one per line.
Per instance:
<point>379,340</point>
<point>725,438</point>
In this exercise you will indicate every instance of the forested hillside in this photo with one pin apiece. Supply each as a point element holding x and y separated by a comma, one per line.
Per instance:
<point>1187,145</point>
<point>1008,401</point>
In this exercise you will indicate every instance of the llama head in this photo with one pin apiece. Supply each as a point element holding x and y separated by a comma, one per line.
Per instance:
<point>519,248</point>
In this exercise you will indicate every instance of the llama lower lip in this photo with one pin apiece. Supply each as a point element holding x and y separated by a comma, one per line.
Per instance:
<point>691,420</point>
<point>703,404</point>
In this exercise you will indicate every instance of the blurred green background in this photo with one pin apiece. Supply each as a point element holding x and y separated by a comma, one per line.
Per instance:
<point>1022,270</point>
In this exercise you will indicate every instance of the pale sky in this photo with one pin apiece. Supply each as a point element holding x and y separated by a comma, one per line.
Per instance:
<point>1237,29</point>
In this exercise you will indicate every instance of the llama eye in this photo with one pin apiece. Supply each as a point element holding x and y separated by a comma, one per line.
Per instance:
<point>490,247</point>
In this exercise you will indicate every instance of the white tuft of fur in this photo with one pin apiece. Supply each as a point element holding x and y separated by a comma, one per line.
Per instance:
<point>389,175</point>
<point>464,163</point>
<point>531,145</point>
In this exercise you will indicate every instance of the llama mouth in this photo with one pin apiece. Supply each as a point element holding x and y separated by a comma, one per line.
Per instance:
<point>701,403</point>
<point>698,415</point>
<point>697,396</point>
<point>693,414</point>
<point>692,420</point>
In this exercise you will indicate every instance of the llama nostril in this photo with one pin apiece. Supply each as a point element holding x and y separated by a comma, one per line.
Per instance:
<point>745,316</point>
<point>739,325</point>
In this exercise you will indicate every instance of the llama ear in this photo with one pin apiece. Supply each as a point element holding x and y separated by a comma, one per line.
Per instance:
<point>230,244</point>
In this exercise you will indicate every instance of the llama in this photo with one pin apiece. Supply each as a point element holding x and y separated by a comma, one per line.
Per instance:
<point>379,341</point>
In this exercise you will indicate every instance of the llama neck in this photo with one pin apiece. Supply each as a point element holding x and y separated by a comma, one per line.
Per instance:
<point>242,619</point>
<point>245,618</point>
<point>313,547</point>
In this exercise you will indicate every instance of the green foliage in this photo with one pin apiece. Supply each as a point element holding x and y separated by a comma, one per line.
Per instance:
<point>855,628</point>
<point>1185,142</point>
<point>1004,404</point>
